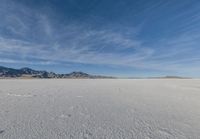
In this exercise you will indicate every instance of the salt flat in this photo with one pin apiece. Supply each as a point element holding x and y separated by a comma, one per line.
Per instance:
<point>100,109</point>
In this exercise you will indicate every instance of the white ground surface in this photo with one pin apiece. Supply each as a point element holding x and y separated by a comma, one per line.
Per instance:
<point>100,109</point>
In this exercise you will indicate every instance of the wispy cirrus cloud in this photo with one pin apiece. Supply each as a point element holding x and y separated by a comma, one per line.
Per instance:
<point>69,42</point>
<point>35,36</point>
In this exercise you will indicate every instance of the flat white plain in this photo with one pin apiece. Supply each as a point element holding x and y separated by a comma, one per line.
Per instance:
<point>99,109</point>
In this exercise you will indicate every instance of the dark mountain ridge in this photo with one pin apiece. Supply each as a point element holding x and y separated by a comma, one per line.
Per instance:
<point>30,73</point>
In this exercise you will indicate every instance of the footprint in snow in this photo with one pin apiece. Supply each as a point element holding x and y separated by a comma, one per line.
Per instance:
<point>2,131</point>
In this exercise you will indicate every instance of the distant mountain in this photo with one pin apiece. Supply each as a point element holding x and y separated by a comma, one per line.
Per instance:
<point>170,77</point>
<point>9,72</point>
<point>30,73</point>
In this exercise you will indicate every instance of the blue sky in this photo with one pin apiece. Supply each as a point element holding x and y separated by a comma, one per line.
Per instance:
<point>108,37</point>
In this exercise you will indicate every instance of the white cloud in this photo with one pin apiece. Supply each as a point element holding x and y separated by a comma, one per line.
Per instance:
<point>42,38</point>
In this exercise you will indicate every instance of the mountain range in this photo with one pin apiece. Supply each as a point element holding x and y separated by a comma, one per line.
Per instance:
<point>26,72</point>
<point>6,72</point>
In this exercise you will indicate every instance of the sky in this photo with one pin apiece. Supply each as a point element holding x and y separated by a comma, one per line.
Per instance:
<point>125,38</point>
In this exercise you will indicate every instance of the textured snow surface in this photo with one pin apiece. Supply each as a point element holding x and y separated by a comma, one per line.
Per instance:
<point>100,109</point>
